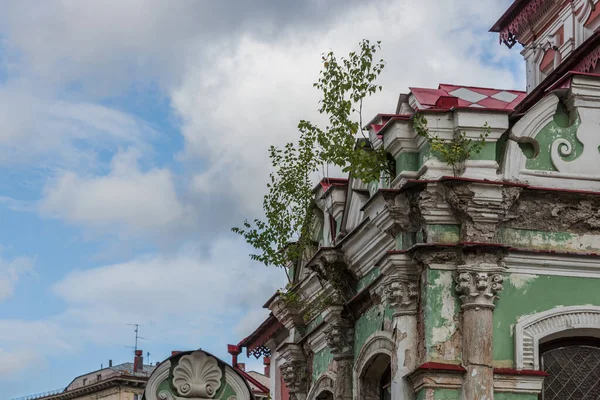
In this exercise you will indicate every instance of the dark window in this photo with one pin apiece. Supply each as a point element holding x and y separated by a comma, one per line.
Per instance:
<point>99,377</point>
<point>573,368</point>
<point>385,384</point>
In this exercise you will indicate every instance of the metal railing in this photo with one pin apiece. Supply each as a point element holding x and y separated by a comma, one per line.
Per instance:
<point>40,395</point>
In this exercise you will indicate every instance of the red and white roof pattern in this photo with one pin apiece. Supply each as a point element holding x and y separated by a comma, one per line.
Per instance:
<point>452,96</point>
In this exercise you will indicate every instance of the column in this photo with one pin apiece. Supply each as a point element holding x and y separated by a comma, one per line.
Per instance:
<point>401,292</point>
<point>339,335</point>
<point>478,286</point>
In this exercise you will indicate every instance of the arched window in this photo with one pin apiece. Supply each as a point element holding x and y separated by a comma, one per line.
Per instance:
<point>326,395</point>
<point>385,384</point>
<point>573,367</point>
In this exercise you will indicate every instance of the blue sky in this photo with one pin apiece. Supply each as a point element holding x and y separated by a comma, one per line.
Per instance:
<point>133,136</point>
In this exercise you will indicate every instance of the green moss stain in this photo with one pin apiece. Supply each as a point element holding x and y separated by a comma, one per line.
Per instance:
<point>559,128</point>
<point>439,394</point>
<point>407,162</point>
<point>541,240</point>
<point>530,294</point>
<point>321,361</point>
<point>441,307</point>
<point>367,279</point>
<point>442,233</point>
<point>368,323</point>
<point>515,396</point>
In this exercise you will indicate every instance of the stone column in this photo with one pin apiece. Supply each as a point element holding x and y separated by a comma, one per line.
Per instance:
<point>339,335</point>
<point>401,292</point>
<point>294,371</point>
<point>478,287</point>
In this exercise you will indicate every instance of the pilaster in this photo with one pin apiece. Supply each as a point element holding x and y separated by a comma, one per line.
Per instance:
<point>294,370</point>
<point>339,335</point>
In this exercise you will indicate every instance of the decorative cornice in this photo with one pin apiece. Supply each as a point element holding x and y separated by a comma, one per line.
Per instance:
<point>437,376</point>
<point>479,286</point>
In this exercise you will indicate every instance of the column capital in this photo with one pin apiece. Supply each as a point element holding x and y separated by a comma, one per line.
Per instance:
<point>339,332</point>
<point>479,286</point>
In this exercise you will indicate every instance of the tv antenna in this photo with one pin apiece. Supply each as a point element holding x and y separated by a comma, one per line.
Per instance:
<point>137,336</point>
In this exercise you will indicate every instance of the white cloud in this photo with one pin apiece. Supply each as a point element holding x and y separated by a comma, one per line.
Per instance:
<point>138,202</point>
<point>197,292</point>
<point>42,132</point>
<point>13,363</point>
<point>10,272</point>
<point>252,92</point>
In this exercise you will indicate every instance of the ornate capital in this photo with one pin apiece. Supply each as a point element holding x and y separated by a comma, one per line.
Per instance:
<point>339,332</point>
<point>294,375</point>
<point>479,288</point>
<point>401,294</point>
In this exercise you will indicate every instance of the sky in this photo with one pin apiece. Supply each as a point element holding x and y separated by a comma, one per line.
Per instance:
<point>134,135</point>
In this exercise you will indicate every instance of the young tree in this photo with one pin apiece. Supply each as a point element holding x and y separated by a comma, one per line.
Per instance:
<point>284,233</point>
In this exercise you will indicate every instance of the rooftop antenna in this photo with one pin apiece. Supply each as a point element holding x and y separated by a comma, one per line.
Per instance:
<point>136,330</point>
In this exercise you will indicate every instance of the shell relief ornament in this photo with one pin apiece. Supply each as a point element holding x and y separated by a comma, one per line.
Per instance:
<point>197,376</point>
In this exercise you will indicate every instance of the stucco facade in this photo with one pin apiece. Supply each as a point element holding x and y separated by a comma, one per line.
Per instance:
<point>467,284</point>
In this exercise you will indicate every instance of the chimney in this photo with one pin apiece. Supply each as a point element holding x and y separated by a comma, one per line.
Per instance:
<point>241,366</point>
<point>234,351</point>
<point>138,361</point>
<point>267,362</point>
<point>109,363</point>
<point>174,352</point>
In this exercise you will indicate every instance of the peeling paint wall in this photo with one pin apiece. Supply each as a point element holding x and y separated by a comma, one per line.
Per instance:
<point>367,279</point>
<point>557,241</point>
<point>321,362</point>
<point>530,294</point>
<point>438,394</point>
<point>368,323</point>
<point>441,317</point>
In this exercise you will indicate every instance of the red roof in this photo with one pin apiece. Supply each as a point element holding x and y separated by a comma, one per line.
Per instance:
<point>446,97</point>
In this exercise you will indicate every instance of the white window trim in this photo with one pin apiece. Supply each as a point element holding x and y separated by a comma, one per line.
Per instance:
<point>533,330</point>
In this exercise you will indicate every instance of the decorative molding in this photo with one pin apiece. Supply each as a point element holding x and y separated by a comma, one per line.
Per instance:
<point>325,383</point>
<point>534,329</point>
<point>159,374</point>
<point>380,342</point>
<point>433,375</point>
<point>522,383</point>
<point>543,263</point>
<point>242,391</point>
<point>479,286</point>
<point>197,376</point>
<point>525,131</point>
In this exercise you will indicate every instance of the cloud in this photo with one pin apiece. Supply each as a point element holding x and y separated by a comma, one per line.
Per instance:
<point>127,199</point>
<point>14,362</point>
<point>43,132</point>
<point>252,92</point>
<point>10,272</point>
<point>198,292</point>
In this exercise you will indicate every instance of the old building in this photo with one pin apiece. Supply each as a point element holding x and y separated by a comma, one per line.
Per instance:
<point>116,382</point>
<point>475,283</point>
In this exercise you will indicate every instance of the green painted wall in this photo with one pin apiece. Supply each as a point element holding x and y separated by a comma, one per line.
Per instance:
<point>439,394</point>
<point>560,127</point>
<point>368,323</point>
<point>367,279</point>
<point>440,313</point>
<point>529,294</point>
<point>514,396</point>
<point>312,324</point>
<point>488,152</point>
<point>321,361</point>
<point>447,234</point>
<point>540,240</point>
<point>407,162</point>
